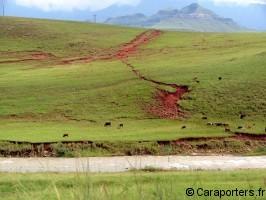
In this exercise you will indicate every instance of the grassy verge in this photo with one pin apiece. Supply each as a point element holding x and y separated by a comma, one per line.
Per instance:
<point>130,186</point>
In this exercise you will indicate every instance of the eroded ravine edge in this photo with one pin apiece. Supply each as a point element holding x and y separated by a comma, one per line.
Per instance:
<point>167,104</point>
<point>186,146</point>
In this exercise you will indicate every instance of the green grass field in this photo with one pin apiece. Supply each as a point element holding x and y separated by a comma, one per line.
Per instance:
<point>42,100</point>
<point>60,38</point>
<point>134,185</point>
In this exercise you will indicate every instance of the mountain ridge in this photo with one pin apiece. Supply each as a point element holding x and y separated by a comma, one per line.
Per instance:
<point>191,18</point>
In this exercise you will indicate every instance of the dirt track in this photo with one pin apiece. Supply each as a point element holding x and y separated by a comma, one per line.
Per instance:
<point>30,56</point>
<point>123,52</point>
<point>122,164</point>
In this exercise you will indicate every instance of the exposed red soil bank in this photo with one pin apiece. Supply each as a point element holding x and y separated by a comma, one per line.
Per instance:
<point>189,146</point>
<point>132,47</point>
<point>167,103</point>
<point>123,52</point>
<point>250,136</point>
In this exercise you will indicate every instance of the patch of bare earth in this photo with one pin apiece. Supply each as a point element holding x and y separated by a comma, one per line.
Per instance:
<point>167,103</point>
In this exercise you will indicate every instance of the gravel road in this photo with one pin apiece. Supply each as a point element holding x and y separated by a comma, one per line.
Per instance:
<point>122,164</point>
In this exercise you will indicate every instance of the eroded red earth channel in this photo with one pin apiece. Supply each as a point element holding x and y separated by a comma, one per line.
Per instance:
<point>166,103</point>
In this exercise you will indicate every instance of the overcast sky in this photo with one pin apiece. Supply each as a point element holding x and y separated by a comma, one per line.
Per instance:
<point>250,13</point>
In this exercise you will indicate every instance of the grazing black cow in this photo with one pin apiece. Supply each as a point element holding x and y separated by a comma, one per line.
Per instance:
<point>197,81</point>
<point>219,124</point>
<point>242,116</point>
<point>240,127</point>
<point>220,78</point>
<point>227,129</point>
<point>107,124</point>
<point>184,127</point>
<point>65,135</point>
<point>121,126</point>
<point>204,118</point>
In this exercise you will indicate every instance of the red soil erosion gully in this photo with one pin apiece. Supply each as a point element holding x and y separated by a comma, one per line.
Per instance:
<point>167,103</point>
<point>30,56</point>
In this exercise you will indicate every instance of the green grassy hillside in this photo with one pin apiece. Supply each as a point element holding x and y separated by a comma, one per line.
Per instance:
<point>239,59</point>
<point>43,99</point>
<point>60,38</point>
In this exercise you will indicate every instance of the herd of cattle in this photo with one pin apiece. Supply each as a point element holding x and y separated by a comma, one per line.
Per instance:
<point>217,124</point>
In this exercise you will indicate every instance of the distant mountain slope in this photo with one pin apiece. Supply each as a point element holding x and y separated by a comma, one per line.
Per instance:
<point>192,18</point>
<point>130,20</point>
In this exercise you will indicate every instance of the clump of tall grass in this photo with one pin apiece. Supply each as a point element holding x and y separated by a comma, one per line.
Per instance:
<point>83,187</point>
<point>10,149</point>
<point>136,185</point>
